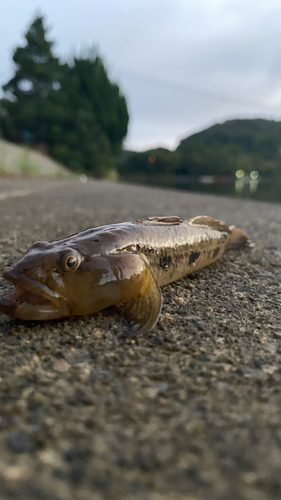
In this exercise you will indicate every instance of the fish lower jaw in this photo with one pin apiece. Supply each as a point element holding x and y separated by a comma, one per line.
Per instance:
<point>26,305</point>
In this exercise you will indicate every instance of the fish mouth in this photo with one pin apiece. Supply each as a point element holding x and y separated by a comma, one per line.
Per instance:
<point>29,300</point>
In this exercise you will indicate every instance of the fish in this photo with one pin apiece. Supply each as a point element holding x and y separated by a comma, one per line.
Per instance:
<point>122,264</point>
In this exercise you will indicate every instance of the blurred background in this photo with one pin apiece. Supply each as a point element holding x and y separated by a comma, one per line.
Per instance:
<point>178,93</point>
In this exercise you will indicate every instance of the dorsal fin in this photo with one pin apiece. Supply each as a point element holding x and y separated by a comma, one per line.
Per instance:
<point>170,219</point>
<point>204,220</point>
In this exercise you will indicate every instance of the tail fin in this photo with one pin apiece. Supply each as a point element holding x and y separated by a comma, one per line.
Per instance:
<point>239,238</point>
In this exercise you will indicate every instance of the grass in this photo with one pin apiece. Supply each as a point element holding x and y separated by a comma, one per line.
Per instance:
<point>26,167</point>
<point>3,169</point>
<point>20,161</point>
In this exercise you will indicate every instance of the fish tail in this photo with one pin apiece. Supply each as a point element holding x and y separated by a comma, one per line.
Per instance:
<point>238,238</point>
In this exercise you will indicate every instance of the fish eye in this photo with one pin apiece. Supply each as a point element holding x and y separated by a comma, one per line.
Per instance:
<point>68,260</point>
<point>71,262</point>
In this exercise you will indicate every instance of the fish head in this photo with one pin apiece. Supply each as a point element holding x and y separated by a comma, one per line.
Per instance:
<point>52,281</point>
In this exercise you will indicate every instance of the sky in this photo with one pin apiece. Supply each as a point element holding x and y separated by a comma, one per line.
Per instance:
<point>183,65</point>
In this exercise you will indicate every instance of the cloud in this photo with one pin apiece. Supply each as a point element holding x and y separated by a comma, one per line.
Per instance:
<point>182,65</point>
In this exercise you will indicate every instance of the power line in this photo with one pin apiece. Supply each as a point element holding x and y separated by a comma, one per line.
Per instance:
<point>192,90</point>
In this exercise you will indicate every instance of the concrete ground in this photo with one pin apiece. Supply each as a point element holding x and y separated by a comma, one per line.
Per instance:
<point>192,411</point>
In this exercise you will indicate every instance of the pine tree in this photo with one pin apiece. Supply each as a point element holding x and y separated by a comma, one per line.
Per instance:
<point>73,110</point>
<point>88,118</point>
<point>37,75</point>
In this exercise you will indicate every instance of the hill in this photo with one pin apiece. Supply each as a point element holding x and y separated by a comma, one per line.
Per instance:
<point>221,149</point>
<point>257,135</point>
<point>21,161</point>
<point>235,144</point>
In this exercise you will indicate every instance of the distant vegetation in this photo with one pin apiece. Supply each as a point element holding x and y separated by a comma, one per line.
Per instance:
<point>71,111</point>
<point>219,150</point>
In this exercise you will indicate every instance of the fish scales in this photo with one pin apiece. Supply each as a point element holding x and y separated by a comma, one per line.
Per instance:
<point>176,251</point>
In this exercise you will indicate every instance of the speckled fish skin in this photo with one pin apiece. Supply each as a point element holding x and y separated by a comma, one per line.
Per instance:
<point>120,264</point>
<point>180,247</point>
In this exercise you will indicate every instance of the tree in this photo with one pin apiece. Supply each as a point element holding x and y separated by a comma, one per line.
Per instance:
<point>88,118</point>
<point>37,74</point>
<point>73,109</point>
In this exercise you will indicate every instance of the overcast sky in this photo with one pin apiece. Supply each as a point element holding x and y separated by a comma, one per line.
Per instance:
<point>182,64</point>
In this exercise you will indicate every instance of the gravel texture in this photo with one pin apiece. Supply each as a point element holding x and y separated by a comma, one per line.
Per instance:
<point>192,411</point>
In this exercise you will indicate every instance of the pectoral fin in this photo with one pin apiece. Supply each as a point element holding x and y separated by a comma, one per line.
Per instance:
<point>143,310</point>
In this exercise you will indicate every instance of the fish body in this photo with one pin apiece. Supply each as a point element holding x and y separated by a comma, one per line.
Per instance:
<point>121,264</point>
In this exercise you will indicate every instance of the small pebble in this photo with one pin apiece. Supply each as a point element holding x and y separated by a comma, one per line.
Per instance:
<point>61,365</point>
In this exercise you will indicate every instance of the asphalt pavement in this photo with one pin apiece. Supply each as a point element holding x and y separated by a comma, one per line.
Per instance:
<point>190,412</point>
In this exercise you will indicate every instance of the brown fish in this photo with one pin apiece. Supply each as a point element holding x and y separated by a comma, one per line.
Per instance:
<point>120,264</point>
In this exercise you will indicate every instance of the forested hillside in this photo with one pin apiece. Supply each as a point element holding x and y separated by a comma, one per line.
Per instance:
<point>221,149</point>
